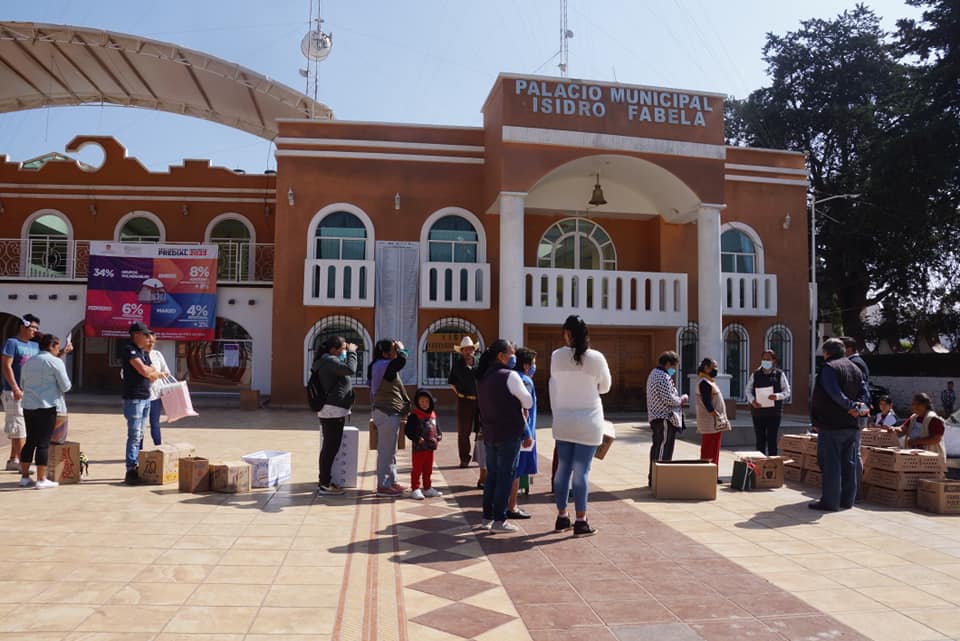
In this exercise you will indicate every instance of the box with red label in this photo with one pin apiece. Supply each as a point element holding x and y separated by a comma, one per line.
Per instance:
<point>769,471</point>
<point>941,497</point>
<point>63,462</point>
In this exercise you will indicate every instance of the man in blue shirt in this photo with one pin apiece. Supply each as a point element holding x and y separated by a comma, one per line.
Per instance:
<point>17,350</point>
<point>137,376</point>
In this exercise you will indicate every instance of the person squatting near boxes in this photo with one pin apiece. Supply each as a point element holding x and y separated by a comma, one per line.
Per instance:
<point>336,365</point>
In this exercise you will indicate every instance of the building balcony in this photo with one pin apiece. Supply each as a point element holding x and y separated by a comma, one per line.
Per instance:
<point>52,259</point>
<point>652,299</point>
<point>749,294</point>
<point>461,285</point>
<point>344,283</point>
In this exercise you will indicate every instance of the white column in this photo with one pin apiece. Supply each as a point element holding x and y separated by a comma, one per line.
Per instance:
<point>710,290</point>
<point>511,266</point>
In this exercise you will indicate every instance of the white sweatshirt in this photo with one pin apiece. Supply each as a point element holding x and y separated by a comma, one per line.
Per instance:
<point>575,396</point>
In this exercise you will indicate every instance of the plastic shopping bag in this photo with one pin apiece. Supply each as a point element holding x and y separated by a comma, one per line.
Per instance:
<point>176,400</point>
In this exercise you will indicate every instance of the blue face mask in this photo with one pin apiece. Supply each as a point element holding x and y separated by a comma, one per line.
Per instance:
<point>766,364</point>
<point>512,363</point>
<point>343,356</point>
<point>532,371</point>
<point>672,371</point>
<point>403,352</point>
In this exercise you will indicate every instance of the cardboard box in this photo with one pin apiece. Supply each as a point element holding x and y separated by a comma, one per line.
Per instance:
<point>63,462</point>
<point>268,468</point>
<point>941,497</point>
<point>793,473</point>
<point>344,472</point>
<point>891,498</point>
<point>812,478</point>
<point>810,462</point>
<point>896,460</point>
<point>877,437</point>
<point>793,443</point>
<point>231,477</point>
<point>159,465</point>
<point>194,474</point>
<point>609,436</point>
<point>865,455</point>
<point>898,480</point>
<point>694,479</point>
<point>249,400</point>
<point>863,490</point>
<point>769,472</point>
<point>810,447</point>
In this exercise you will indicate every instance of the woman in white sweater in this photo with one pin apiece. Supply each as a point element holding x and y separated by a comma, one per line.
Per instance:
<point>578,376</point>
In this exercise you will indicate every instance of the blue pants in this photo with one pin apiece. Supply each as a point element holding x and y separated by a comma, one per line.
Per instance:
<point>137,413</point>
<point>838,454</point>
<point>501,469</point>
<point>573,459</point>
<point>156,407</point>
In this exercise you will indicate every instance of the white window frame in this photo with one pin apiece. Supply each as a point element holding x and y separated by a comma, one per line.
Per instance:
<point>576,246</point>
<point>469,328</point>
<point>25,240</point>
<point>753,236</point>
<point>138,213</point>
<point>252,241</point>
<point>453,211</point>
<point>744,357</point>
<point>332,209</point>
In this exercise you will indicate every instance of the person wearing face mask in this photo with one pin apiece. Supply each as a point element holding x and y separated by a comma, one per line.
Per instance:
<point>526,367</point>
<point>766,420</point>
<point>336,365</point>
<point>664,405</point>
<point>391,403</point>
<point>712,419</point>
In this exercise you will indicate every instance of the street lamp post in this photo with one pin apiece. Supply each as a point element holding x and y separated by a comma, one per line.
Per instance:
<point>814,294</point>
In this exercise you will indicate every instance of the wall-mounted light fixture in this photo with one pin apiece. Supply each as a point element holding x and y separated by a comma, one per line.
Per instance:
<point>396,201</point>
<point>2,209</point>
<point>93,209</point>
<point>266,211</point>
<point>290,197</point>
<point>787,220</point>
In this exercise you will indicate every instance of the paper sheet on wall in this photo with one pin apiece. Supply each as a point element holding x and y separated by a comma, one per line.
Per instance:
<point>763,396</point>
<point>398,264</point>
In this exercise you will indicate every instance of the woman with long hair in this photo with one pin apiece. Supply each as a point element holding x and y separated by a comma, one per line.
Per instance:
<point>504,401</point>
<point>336,364</point>
<point>712,419</point>
<point>391,403</point>
<point>578,376</point>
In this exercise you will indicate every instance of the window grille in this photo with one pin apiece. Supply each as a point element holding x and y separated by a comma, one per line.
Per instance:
<point>736,360</point>
<point>352,331</point>
<point>436,348</point>
<point>780,340</point>
<point>687,346</point>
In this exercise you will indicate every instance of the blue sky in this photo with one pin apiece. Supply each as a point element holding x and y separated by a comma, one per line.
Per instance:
<point>420,61</point>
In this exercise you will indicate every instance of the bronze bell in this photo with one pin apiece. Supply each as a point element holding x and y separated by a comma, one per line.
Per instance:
<point>597,199</point>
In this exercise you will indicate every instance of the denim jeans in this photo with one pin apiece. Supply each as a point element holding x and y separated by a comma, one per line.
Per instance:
<point>838,454</point>
<point>156,407</point>
<point>573,459</point>
<point>388,429</point>
<point>137,413</point>
<point>501,468</point>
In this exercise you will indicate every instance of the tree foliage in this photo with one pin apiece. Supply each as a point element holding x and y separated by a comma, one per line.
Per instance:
<point>879,116</point>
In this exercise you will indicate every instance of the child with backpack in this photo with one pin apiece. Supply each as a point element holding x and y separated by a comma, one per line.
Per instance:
<point>424,433</point>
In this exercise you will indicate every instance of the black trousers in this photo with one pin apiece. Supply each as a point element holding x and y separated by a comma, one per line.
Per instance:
<point>332,429</point>
<point>466,423</point>
<point>40,424</point>
<point>767,431</point>
<point>664,438</point>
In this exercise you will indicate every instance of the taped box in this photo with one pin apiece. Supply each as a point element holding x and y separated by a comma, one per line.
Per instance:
<point>878,437</point>
<point>898,480</point>
<point>896,460</point>
<point>891,498</point>
<point>160,464</point>
<point>268,468</point>
<point>232,477</point>
<point>940,497</point>
<point>692,479</point>
<point>194,474</point>
<point>810,462</point>
<point>63,462</point>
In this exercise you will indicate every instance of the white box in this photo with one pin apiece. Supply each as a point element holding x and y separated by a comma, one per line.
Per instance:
<point>268,468</point>
<point>344,472</point>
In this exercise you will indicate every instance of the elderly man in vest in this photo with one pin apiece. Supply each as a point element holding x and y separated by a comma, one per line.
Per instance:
<point>840,397</point>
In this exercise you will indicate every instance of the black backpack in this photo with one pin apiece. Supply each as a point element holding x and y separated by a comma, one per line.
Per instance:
<point>316,395</point>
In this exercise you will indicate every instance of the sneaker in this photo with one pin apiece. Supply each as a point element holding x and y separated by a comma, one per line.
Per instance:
<point>388,491</point>
<point>329,489</point>
<point>582,528</point>
<point>26,481</point>
<point>399,488</point>
<point>417,495</point>
<point>563,523</point>
<point>503,526</point>
<point>336,487</point>
<point>44,484</point>
<point>13,465</point>
<point>486,524</point>
<point>132,478</point>
<point>432,493</point>
<point>518,514</point>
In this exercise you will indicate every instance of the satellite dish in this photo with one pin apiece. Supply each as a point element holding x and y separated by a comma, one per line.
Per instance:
<point>316,45</point>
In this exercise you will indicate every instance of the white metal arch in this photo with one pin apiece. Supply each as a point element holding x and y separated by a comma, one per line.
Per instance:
<point>25,229</point>
<point>140,213</point>
<point>753,236</point>
<point>453,211</point>
<point>332,209</point>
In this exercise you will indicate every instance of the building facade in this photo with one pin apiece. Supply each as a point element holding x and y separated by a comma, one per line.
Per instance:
<point>426,233</point>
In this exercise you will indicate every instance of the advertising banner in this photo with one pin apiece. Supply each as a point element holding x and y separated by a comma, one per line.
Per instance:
<point>171,288</point>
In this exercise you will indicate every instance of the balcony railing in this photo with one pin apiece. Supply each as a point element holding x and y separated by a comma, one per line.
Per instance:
<point>605,297</point>
<point>348,283</point>
<point>463,285</point>
<point>750,294</point>
<point>55,258</point>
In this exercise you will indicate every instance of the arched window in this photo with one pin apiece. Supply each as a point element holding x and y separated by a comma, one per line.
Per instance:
<point>780,339</point>
<point>351,330</point>
<point>687,346</point>
<point>453,239</point>
<point>140,227</point>
<point>738,253</point>
<point>48,235</point>
<point>736,360</point>
<point>576,243</point>
<point>234,235</point>
<point>226,361</point>
<point>340,236</point>
<point>436,347</point>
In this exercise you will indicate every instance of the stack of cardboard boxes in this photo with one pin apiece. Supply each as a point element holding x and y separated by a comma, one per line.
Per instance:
<point>942,497</point>
<point>891,475</point>
<point>802,450</point>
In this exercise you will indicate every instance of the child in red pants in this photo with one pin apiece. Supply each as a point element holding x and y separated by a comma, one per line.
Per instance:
<point>424,433</point>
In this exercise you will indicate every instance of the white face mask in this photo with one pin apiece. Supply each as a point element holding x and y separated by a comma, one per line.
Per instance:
<point>766,364</point>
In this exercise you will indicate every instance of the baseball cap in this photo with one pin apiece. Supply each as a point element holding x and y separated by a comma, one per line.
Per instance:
<point>137,326</point>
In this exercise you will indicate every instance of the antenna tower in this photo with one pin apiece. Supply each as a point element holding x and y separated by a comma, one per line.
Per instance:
<point>315,46</point>
<point>565,35</point>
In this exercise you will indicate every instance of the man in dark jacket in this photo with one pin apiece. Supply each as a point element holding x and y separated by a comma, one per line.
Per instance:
<point>335,365</point>
<point>463,381</point>
<point>840,396</point>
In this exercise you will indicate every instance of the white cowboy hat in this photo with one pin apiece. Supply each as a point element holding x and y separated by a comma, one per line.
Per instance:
<point>465,342</point>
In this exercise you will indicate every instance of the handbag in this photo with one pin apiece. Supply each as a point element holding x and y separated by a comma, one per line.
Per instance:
<point>609,436</point>
<point>59,435</point>
<point>175,397</point>
<point>743,478</point>
<point>721,424</point>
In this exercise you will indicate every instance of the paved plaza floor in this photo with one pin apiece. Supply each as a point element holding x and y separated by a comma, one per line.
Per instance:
<point>102,561</point>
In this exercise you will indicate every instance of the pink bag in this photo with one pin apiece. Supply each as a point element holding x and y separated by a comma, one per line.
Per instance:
<point>176,400</point>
